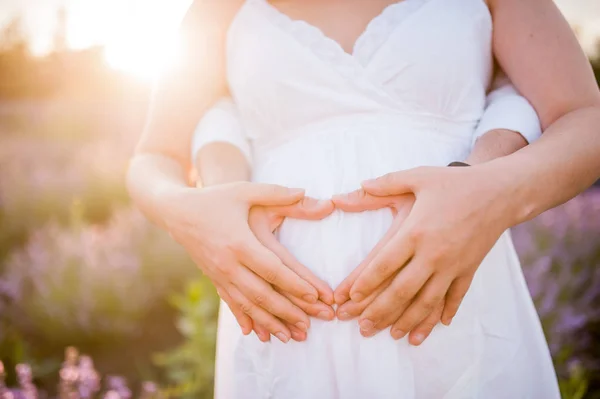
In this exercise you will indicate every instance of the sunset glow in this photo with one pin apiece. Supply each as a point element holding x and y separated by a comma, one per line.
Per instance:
<point>140,39</point>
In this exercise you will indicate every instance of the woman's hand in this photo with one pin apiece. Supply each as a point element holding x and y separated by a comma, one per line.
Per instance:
<point>264,221</point>
<point>400,206</point>
<point>212,225</point>
<point>433,254</point>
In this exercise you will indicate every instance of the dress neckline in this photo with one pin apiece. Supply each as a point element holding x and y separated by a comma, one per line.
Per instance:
<point>376,32</point>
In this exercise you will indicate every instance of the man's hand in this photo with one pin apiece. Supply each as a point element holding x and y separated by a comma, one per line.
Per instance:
<point>433,254</point>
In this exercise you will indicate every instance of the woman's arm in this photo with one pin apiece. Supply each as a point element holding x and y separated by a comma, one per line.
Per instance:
<point>212,223</point>
<point>537,49</point>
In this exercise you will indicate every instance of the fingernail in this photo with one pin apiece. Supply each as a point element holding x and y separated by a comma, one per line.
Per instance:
<point>297,190</point>
<point>310,298</point>
<point>324,315</point>
<point>357,297</point>
<point>447,322</point>
<point>418,339</point>
<point>264,337</point>
<point>398,333</point>
<point>297,336</point>
<point>368,334</point>
<point>282,337</point>
<point>344,316</point>
<point>366,325</point>
<point>340,299</point>
<point>302,326</point>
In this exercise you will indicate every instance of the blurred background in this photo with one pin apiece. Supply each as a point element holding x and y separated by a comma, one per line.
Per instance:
<point>79,266</point>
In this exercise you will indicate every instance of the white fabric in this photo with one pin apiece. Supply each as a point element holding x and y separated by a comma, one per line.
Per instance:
<point>411,94</point>
<point>507,109</point>
<point>221,124</point>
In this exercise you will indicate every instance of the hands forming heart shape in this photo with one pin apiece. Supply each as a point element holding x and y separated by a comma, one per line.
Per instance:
<point>415,277</point>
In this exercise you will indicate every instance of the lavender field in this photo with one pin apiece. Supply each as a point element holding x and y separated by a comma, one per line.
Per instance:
<point>79,266</point>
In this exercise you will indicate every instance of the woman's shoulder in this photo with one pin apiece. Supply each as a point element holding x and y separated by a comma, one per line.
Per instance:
<point>210,15</point>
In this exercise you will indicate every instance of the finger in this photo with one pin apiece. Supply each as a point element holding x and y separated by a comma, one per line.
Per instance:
<point>324,291</point>
<point>390,258</point>
<point>262,333</point>
<point>426,302</point>
<point>262,295</point>
<point>270,194</point>
<point>350,309</point>
<point>359,201</point>
<point>342,292</point>
<point>261,317</point>
<point>270,267</point>
<point>457,291</point>
<point>403,182</point>
<point>420,333</point>
<point>320,310</point>
<point>306,209</point>
<point>297,335</point>
<point>387,307</point>
<point>243,319</point>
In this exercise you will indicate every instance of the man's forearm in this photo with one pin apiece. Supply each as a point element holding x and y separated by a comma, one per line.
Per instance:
<point>219,163</point>
<point>495,144</point>
<point>561,164</point>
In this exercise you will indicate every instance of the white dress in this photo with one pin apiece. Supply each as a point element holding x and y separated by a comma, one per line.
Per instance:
<point>412,93</point>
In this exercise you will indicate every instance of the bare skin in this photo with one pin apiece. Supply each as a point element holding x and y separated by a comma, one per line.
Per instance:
<point>528,34</point>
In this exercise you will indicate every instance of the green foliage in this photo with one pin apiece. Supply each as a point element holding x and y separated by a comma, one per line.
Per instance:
<point>190,367</point>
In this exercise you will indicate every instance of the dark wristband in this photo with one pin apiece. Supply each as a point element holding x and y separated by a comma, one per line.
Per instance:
<point>458,163</point>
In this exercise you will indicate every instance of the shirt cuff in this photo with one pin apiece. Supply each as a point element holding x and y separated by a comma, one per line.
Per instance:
<point>221,124</point>
<point>507,109</point>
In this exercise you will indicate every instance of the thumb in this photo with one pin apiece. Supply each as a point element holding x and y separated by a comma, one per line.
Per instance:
<point>271,194</point>
<point>395,183</point>
<point>360,200</point>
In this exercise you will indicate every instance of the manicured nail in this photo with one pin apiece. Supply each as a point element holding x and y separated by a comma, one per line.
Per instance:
<point>324,315</point>
<point>282,337</point>
<point>297,336</point>
<point>344,316</point>
<point>447,321</point>
<point>366,325</point>
<point>357,297</point>
<point>310,298</point>
<point>398,334</point>
<point>418,339</point>
<point>302,326</point>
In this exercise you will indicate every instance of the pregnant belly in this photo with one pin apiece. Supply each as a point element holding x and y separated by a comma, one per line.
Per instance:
<point>334,161</point>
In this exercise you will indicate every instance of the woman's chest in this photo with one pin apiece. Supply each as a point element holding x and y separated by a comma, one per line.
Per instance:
<point>344,21</point>
<point>429,57</point>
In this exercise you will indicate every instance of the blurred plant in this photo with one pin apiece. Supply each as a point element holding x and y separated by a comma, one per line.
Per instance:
<point>560,252</point>
<point>190,367</point>
<point>94,281</point>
